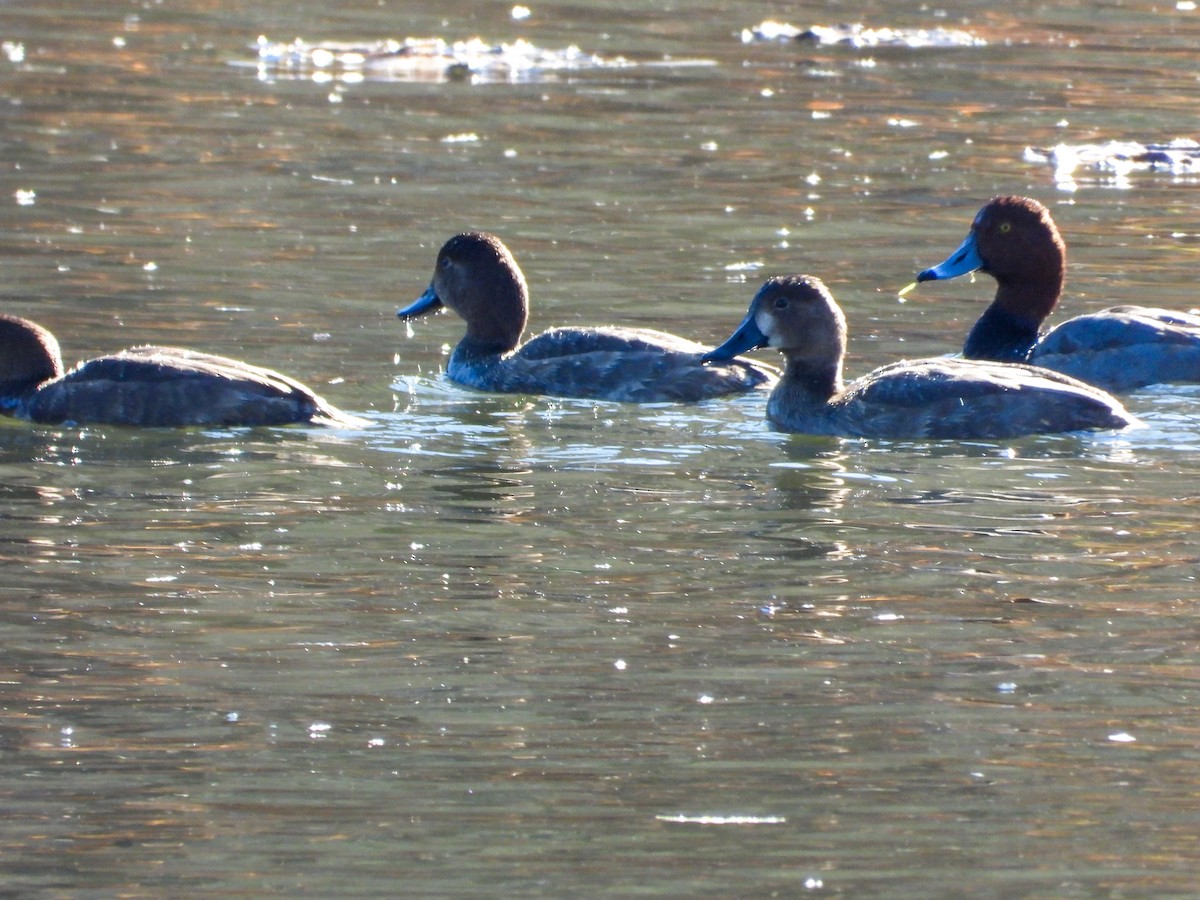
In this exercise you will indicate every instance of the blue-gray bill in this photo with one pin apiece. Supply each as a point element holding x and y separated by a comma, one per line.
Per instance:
<point>963,260</point>
<point>747,337</point>
<point>427,302</point>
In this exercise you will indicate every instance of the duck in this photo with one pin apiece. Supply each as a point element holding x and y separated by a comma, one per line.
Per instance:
<point>477,277</point>
<point>936,398</point>
<point>147,386</point>
<point>1014,239</point>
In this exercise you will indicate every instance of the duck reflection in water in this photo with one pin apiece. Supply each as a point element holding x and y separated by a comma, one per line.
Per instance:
<point>925,398</point>
<point>477,277</point>
<point>147,386</point>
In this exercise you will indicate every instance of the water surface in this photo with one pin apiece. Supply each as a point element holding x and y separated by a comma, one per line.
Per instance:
<point>524,646</point>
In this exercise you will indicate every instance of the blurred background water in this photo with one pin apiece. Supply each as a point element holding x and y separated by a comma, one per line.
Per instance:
<point>498,645</point>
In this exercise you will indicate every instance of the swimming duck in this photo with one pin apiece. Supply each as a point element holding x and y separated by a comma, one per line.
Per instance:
<point>477,277</point>
<point>148,386</point>
<point>924,398</point>
<point>1015,240</point>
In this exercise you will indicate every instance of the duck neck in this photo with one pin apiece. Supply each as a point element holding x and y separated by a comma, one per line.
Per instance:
<point>816,383</point>
<point>14,394</point>
<point>1002,335</point>
<point>496,313</point>
<point>473,348</point>
<point>1032,297</point>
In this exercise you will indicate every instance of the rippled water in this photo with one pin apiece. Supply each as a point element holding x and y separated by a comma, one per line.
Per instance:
<point>521,646</point>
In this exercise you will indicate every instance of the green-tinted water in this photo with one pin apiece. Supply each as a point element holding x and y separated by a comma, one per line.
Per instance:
<point>519,646</point>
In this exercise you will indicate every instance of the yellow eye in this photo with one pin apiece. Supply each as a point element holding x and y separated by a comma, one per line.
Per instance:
<point>1005,227</point>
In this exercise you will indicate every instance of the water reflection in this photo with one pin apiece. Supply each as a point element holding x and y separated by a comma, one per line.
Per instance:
<point>500,491</point>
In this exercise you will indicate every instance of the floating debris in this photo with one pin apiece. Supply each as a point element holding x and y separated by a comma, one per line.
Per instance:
<point>1117,159</point>
<point>420,59</point>
<point>859,36</point>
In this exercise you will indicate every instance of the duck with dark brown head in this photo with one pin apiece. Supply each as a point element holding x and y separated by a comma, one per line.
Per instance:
<point>477,277</point>
<point>1015,240</point>
<point>147,386</point>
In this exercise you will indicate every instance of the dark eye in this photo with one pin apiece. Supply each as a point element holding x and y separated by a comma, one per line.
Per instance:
<point>781,302</point>
<point>445,262</point>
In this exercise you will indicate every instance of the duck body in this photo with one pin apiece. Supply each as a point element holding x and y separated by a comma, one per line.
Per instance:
<point>948,399</point>
<point>477,277</point>
<point>146,386</point>
<point>1015,240</point>
<point>911,399</point>
<point>633,365</point>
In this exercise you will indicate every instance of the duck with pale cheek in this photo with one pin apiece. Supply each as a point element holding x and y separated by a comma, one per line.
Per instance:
<point>1015,240</point>
<point>477,277</point>
<point>165,387</point>
<point>924,398</point>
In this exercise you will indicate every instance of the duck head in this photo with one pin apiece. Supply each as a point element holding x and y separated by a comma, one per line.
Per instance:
<point>796,315</point>
<point>476,276</point>
<point>29,354</point>
<point>1014,240</point>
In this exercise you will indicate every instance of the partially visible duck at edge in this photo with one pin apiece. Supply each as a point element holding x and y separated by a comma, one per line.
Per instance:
<point>477,277</point>
<point>1015,240</point>
<point>146,386</point>
<point>926,398</point>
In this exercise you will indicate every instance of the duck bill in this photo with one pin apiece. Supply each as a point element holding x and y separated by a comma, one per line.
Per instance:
<point>963,260</point>
<point>747,337</point>
<point>427,302</point>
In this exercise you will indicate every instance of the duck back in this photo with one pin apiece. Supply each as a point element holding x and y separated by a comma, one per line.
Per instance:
<point>1124,348</point>
<point>605,339</point>
<point>174,387</point>
<point>617,364</point>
